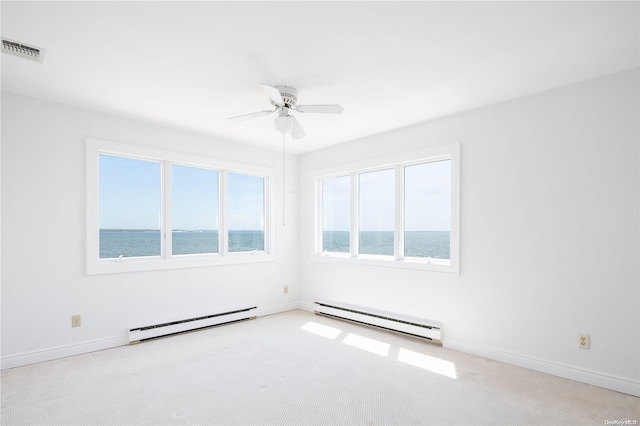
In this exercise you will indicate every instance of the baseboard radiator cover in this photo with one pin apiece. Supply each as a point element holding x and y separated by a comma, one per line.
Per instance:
<point>140,334</point>
<point>417,327</point>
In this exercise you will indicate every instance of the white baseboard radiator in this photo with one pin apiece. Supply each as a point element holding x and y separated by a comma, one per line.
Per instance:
<point>426,329</point>
<point>139,334</point>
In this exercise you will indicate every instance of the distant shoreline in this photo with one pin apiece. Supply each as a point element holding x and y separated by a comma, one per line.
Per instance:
<point>174,230</point>
<point>215,230</point>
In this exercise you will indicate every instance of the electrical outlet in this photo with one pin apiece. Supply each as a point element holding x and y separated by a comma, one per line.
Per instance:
<point>584,341</point>
<point>75,321</point>
<point>286,289</point>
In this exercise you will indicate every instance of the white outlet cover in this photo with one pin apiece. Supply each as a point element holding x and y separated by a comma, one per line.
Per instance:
<point>584,341</point>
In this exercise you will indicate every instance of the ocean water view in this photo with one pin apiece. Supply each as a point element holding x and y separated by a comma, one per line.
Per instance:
<point>139,242</point>
<point>435,244</point>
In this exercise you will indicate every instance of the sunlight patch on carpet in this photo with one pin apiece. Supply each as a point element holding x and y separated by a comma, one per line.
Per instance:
<point>321,330</point>
<point>367,344</point>
<point>430,363</point>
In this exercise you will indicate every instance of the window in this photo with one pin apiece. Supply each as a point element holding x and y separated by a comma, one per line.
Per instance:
<point>427,207</point>
<point>129,207</point>
<point>246,213</point>
<point>406,211</point>
<point>151,209</point>
<point>336,214</point>
<point>376,212</point>
<point>194,210</point>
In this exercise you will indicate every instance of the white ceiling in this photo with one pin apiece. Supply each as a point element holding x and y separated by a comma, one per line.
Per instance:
<point>191,65</point>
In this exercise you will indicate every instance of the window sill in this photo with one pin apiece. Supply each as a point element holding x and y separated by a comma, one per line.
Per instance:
<point>140,264</point>
<point>434,265</point>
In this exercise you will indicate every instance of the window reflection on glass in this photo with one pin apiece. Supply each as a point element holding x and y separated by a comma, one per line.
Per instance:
<point>194,210</point>
<point>427,206</point>
<point>129,207</point>
<point>246,205</point>
<point>376,212</point>
<point>336,214</point>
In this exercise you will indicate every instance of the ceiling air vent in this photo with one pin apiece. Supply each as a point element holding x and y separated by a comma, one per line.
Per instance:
<point>22,50</point>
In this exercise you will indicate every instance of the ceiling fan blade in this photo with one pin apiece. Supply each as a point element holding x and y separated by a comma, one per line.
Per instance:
<point>244,117</point>
<point>297,132</point>
<point>274,94</point>
<point>323,109</point>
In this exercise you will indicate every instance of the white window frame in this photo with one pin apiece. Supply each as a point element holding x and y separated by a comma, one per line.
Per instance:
<point>95,265</point>
<point>397,162</point>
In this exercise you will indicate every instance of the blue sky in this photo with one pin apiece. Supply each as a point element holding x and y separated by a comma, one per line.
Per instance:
<point>427,199</point>
<point>427,189</point>
<point>194,198</point>
<point>245,202</point>
<point>130,193</point>
<point>130,197</point>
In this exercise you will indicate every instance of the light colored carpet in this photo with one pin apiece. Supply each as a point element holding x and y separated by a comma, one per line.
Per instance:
<point>297,368</point>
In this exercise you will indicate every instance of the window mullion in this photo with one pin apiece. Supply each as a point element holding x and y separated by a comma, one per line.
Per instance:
<point>165,220</point>
<point>319,237</point>
<point>223,238</point>
<point>355,225</point>
<point>398,234</point>
<point>266,205</point>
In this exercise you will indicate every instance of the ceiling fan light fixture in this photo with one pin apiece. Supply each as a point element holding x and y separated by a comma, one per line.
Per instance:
<point>285,98</point>
<point>283,124</point>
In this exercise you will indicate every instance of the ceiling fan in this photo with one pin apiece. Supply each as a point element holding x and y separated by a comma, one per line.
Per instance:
<point>285,99</point>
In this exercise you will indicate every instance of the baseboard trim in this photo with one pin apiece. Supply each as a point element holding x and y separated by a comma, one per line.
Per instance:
<point>305,306</point>
<point>270,310</point>
<point>50,354</point>
<point>607,381</point>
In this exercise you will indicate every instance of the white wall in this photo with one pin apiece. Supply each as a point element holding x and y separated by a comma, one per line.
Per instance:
<point>549,233</point>
<point>43,236</point>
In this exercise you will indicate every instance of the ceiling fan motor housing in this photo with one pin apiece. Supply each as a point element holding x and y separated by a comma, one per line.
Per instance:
<point>289,96</point>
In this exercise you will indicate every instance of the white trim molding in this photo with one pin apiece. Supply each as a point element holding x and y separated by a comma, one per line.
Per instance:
<point>595,378</point>
<point>276,309</point>
<point>80,348</point>
<point>306,306</point>
<point>49,354</point>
